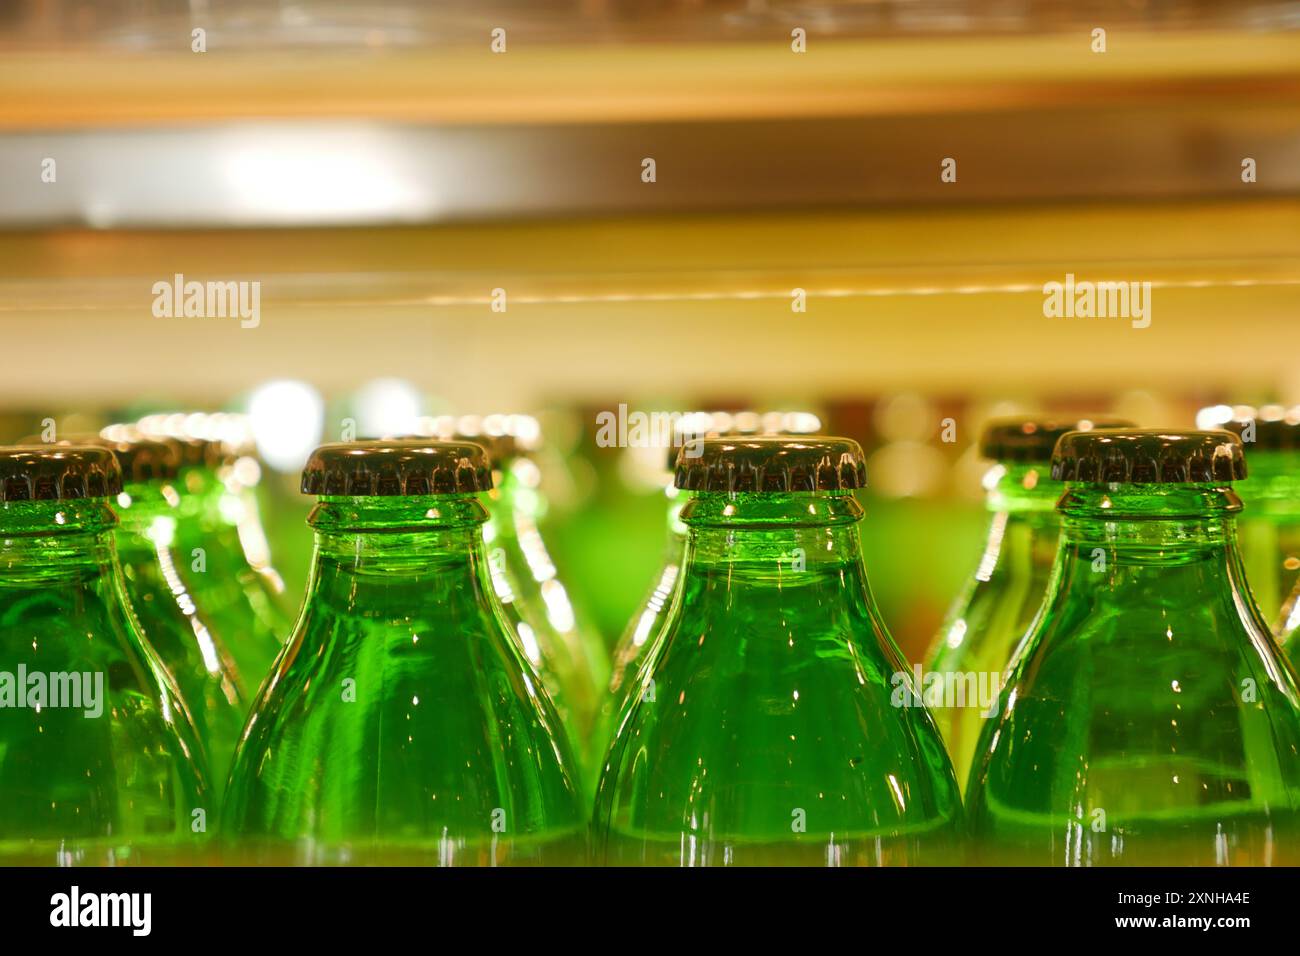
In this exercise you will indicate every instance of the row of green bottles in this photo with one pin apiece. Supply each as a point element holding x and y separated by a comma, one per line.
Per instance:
<point>174,533</point>
<point>567,656</point>
<point>516,759</point>
<point>401,724</point>
<point>166,591</point>
<point>994,612</point>
<point>1147,715</point>
<point>170,609</point>
<point>100,761</point>
<point>219,535</point>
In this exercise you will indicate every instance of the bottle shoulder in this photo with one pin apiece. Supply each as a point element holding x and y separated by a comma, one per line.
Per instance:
<point>1145,682</point>
<point>431,701</point>
<point>746,687</point>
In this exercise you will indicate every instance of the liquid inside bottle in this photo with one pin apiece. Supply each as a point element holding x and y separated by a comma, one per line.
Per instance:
<point>1150,718</point>
<point>100,763</point>
<point>775,721</point>
<point>402,725</point>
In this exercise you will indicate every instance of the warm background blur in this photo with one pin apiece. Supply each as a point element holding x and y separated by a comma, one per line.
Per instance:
<point>381,168</point>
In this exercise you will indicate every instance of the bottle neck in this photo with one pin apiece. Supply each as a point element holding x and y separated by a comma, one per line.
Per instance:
<point>55,542</point>
<point>442,517</point>
<point>514,508</point>
<point>149,511</point>
<point>799,529</point>
<point>383,567</point>
<point>1023,491</point>
<point>782,561</point>
<point>410,537</point>
<point>1141,562</point>
<point>1150,550</point>
<point>1150,518</point>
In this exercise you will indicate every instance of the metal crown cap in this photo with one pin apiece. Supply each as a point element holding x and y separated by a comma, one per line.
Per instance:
<point>1032,438</point>
<point>392,468</point>
<point>771,465</point>
<point>58,473</point>
<point>142,460</point>
<point>1267,428</point>
<point>1148,456</point>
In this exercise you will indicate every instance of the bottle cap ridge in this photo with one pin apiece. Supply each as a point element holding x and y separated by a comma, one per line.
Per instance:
<point>771,465</point>
<point>142,460</point>
<point>394,468</point>
<point>55,472</point>
<point>1032,438</point>
<point>1267,428</point>
<point>1148,456</point>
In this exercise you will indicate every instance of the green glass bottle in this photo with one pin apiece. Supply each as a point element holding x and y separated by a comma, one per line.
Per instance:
<point>172,619</point>
<point>1270,523</point>
<point>1150,718</point>
<point>173,624</point>
<point>560,660</point>
<point>401,724</point>
<point>775,722</point>
<point>569,656</point>
<point>99,761</point>
<point>998,603</point>
<point>224,562</point>
<point>643,630</point>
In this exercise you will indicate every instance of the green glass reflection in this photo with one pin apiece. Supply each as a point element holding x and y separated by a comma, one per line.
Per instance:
<point>643,631</point>
<point>568,660</point>
<point>240,598</point>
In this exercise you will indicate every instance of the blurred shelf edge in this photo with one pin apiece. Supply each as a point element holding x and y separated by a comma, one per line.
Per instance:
<point>357,173</point>
<point>940,301</point>
<point>878,252</point>
<point>1213,343</point>
<point>386,136</point>
<point>443,174</point>
<point>295,25</point>
<point>577,83</point>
